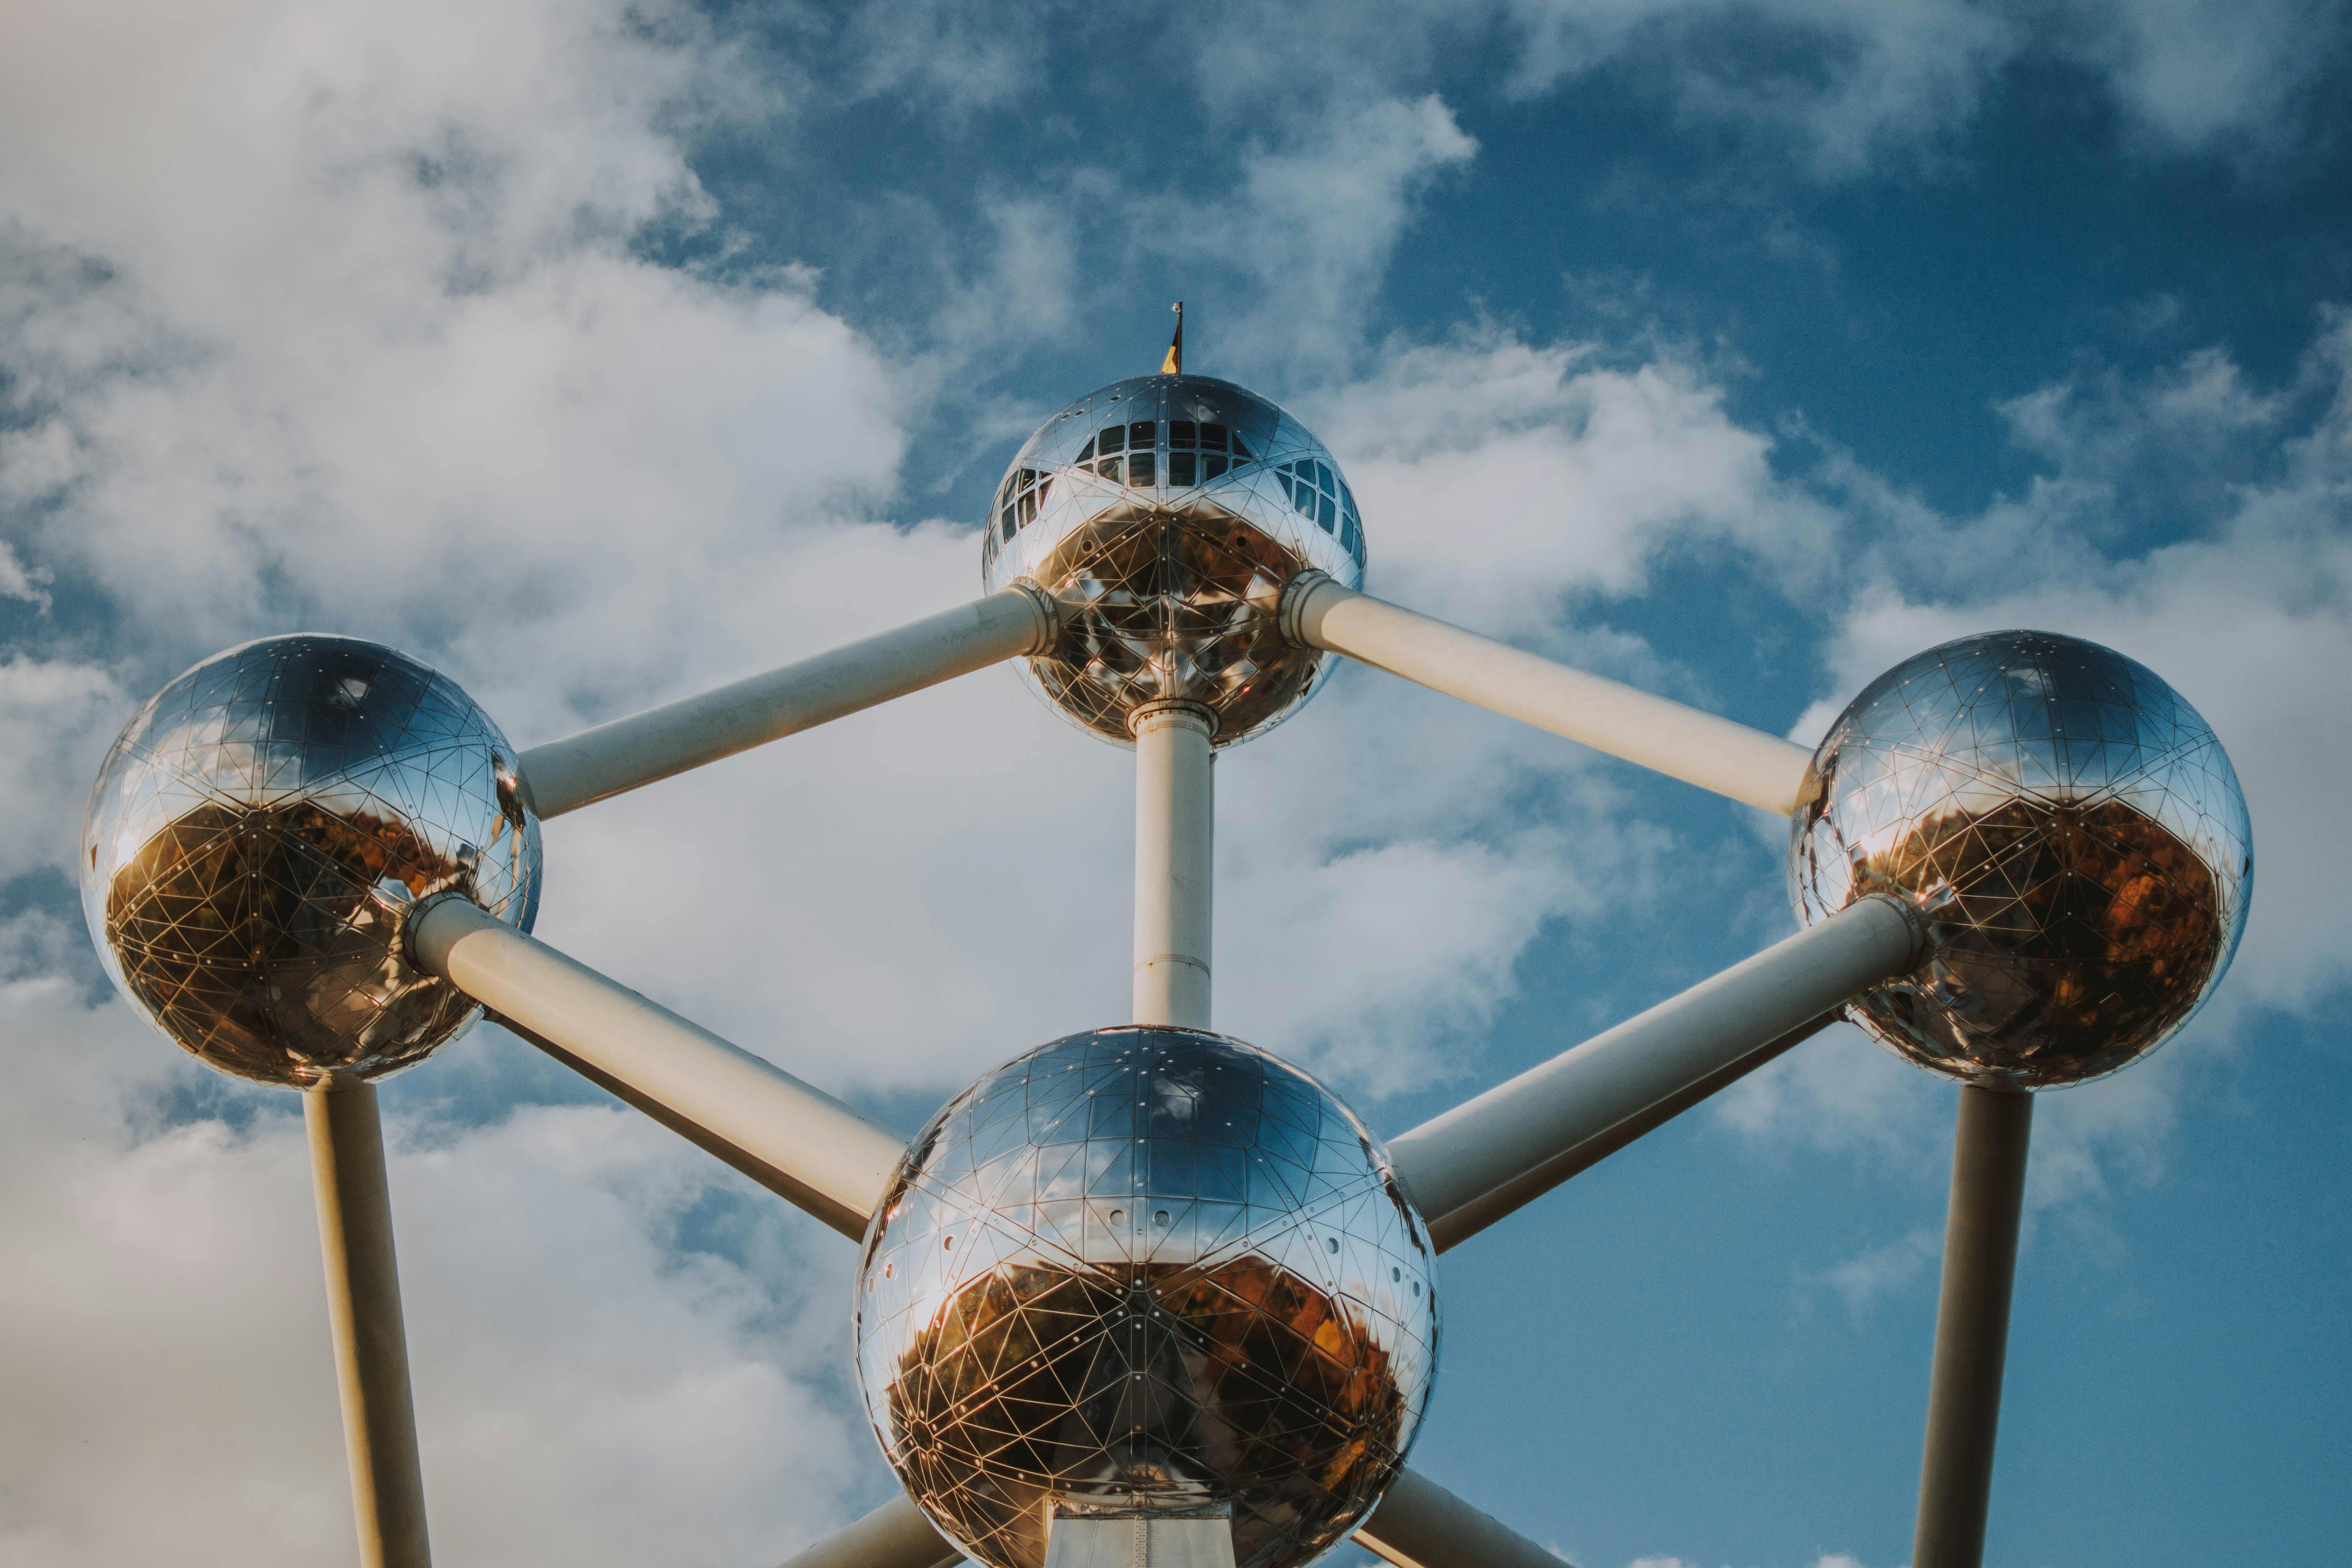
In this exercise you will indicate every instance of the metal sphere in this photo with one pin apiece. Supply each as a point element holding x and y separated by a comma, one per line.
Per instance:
<point>259,834</point>
<point>1165,513</point>
<point>1146,1269</point>
<point>2072,831</point>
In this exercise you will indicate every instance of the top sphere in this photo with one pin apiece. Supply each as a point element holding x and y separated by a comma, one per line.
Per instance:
<point>1146,1270</point>
<point>1165,513</point>
<point>2071,829</point>
<point>259,834</point>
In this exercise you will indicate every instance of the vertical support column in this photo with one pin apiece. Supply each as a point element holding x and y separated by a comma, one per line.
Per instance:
<point>1989,1154</point>
<point>364,1307</point>
<point>1175,814</point>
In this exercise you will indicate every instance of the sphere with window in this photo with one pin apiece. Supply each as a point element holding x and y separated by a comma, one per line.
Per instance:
<point>1166,513</point>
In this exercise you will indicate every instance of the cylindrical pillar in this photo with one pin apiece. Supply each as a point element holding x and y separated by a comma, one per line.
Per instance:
<point>1989,1156</point>
<point>363,1310</point>
<point>1175,814</point>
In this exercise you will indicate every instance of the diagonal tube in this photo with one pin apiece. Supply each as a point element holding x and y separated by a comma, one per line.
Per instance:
<point>364,1313</point>
<point>1478,1215</point>
<point>644,748</point>
<point>1988,1157</point>
<point>895,1536</point>
<point>817,1152</point>
<point>1682,742</point>
<point>1489,1156</point>
<point>1419,1524</point>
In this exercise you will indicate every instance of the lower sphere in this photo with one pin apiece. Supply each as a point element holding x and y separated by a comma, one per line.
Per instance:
<point>1146,1269</point>
<point>2072,833</point>
<point>259,836</point>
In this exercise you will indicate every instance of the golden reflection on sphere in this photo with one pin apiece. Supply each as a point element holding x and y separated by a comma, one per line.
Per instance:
<point>2075,834</point>
<point>260,832</point>
<point>1146,1268</point>
<point>1165,514</point>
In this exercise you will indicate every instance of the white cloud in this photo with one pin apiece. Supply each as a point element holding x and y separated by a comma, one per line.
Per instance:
<point>342,332</point>
<point>56,718</point>
<point>2199,73</point>
<point>1313,223</point>
<point>1843,82</point>
<point>1506,475</point>
<point>592,1384</point>
<point>334,317</point>
<point>2251,619</point>
<point>1877,1273</point>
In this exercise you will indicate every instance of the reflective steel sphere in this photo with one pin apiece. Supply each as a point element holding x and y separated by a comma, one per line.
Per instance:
<point>258,834</point>
<point>2073,831</point>
<point>1146,1268</point>
<point>1165,513</point>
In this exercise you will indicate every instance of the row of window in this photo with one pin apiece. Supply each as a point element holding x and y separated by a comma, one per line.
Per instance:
<point>1197,453</point>
<point>1324,498</point>
<point>1183,434</point>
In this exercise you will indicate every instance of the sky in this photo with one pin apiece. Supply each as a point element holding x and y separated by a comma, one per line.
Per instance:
<point>598,351</point>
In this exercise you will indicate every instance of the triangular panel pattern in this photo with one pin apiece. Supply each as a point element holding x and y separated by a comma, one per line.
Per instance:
<point>258,835</point>
<point>2075,834</point>
<point>1146,1268</point>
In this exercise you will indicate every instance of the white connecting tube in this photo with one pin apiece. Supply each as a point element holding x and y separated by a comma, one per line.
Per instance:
<point>1682,742</point>
<point>896,1535</point>
<point>814,1150</point>
<point>1419,1524</point>
<point>1175,829</point>
<point>1486,1158</point>
<point>628,753</point>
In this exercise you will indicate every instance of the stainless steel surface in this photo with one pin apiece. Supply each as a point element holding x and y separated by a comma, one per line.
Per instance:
<point>1164,514</point>
<point>805,1145</point>
<point>2072,831</point>
<point>896,1535</point>
<point>1682,742</point>
<point>1140,1541</point>
<point>1419,1524</point>
<point>1175,845</point>
<point>1145,1268</point>
<point>1489,1156</point>
<point>259,834</point>
<point>1988,1157</point>
<point>363,1317</point>
<point>643,748</point>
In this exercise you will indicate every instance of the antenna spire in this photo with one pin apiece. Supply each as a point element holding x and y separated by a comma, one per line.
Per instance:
<point>1175,363</point>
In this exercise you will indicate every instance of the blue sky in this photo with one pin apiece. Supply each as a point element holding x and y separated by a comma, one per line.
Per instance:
<point>599,352</point>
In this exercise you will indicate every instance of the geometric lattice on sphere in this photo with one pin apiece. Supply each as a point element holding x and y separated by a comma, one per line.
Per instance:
<point>1165,514</point>
<point>258,835</point>
<point>2072,831</point>
<point>1145,1268</point>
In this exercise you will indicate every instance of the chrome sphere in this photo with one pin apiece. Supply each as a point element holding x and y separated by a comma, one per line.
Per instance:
<point>2071,829</point>
<point>258,835</point>
<point>1146,1269</point>
<point>1165,514</point>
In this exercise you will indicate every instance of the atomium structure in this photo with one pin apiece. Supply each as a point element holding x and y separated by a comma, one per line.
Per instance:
<point>1147,1294</point>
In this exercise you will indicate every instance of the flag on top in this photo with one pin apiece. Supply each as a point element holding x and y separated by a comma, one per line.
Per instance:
<point>1175,363</point>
